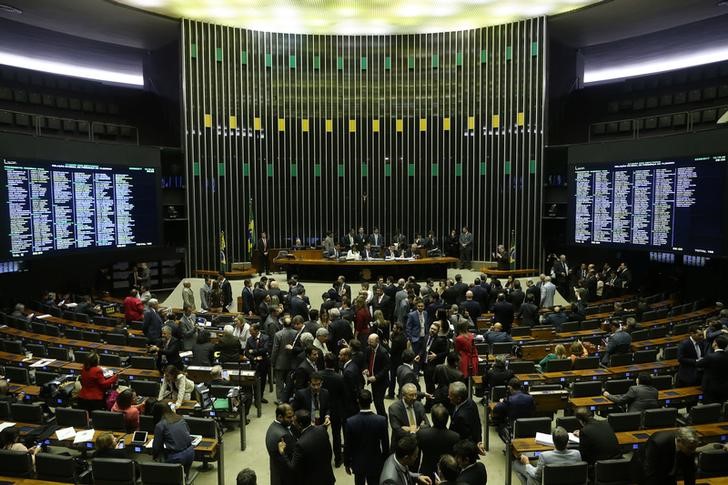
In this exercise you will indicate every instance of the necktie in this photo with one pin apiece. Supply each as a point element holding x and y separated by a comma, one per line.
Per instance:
<point>371,363</point>
<point>697,350</point>
<point>411,416</point>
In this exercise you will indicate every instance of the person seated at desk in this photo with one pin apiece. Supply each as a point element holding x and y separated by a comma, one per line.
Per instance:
<point>597,440</point>
<point>516,405</point>
<point>392,252</point>
<point>217,378</point>
<point>353,254</point>
<point>86,306</point>
<point>297,244</point>
<point>203,351</point>
<point>94,384</point>
<point>176,386</point>
<point>228,345</point>
<point>578,351</point>
<point>105,447</point>
<point>620,342</point>
<point>172,440</point>
<point>10,440</point>
<point>126,404</point>
<point>639,397</point>
<point>496,334</point>
<point>498,374</point>
<point>560,455</point>
<point>558,353</point>
<point>411,252</point>
<point>367,252</point>
<point>333,253</point>
<point>555,319</point>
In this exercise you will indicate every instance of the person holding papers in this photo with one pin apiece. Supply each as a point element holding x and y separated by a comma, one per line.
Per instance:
<point>94,384</point>
<point>172,439</point>
<point>10,440</point>
<point>560,455</point>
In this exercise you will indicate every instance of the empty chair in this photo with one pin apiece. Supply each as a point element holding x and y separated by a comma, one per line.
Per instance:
<point>68,315</point>
<point>38,327</point>
<point>58,353</point>
<point>713,463</point>
<point>56,468</point>
<point>37,350</point>
<point>569,327</point>
<point>27,413</point>
<point>136,341</point>
<point>669,353</point>
<point>572,474</point>
<point>5,411</point>
<point>111,322</point>
<point>42,377</point>
<point>624,421</point>
<point>645,356</point>
<point>618,386</point>
<point>17,375</point>
<point>528,427</point>
<point>146,423</point>
<point>80,355</point>
<point>113,471</point>
<point>704,413</point>
<point>586,363</point>
<point>522,366</point>
<point>520,332</point>
<point>77,418</point>
<point>16,463</point>
<point>143,362</point>
<point>620,359</point>
<point>91,336</point>
<point>146,388</point>
<point>639,335</point>
<point>115,338</point>
<point>569,423</point>
<point>586,389</point>
<point>108,421</point>
<point>110,359</point>
<point>14,347</point>
<point>612,472</point>
<point>500,348</point>
<point>659,332</point>
<point>52,330</point>
<point>162,473</point>
<point>73,334</point>
<point>682,328</point>
<point>662,383</point>
<point>546,387</point>
<point>590,325</point>
<point>659,418</point>
<point>558,365</point>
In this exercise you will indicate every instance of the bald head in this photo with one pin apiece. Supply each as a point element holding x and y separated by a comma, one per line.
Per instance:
<point>468,295</point>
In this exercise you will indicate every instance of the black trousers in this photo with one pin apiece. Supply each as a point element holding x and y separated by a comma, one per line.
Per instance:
<point>263,263</point>
<point>378,391</point>
<point>336,436</point>
<point>371,477</point>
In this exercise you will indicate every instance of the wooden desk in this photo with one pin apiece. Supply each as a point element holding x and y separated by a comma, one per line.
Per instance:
<point>568,376</point>
<point>76,344</point>
<point>657,343</point>
<point>327,270</point>
<point>505,273</point>
<point>666,396</point>
<point>649,367</point>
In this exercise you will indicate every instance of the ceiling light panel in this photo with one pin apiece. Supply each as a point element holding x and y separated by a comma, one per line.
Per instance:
<point>357,16</point>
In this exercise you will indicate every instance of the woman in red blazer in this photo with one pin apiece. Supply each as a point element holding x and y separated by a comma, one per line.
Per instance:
<point>362,319</point>
<point>465,347</point>
<point>94,385</point>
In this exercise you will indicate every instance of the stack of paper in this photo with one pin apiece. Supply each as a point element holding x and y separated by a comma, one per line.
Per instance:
<point>65,433</point>
<point>44,316</point>
<point>186,353</point>
<point>546,439</point>
<point>6,425</point>
<point>84,436</point>
<point>42,362</point>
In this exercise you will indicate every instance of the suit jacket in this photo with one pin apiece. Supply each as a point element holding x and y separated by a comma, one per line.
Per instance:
<point>439,346</point>
<point>299,307</point>
<point>465,421</point>
<point>638,398</point>
<point>597,441</point>
<point>282,358</point>
<point>529,314</point>
<point>303,399</point>
<point>398,418</point>
<point>227,292</point>
<point>548,291</point>
<point>152,325</point>
<point>376,240</point>
<point>480,295</point>
<point>248,300</point>
<point>475,474</point>
<point>366,442</point>
<point>170,354</point>
<point>503,313</point>
<point>262,247</point>
<point>517,405</point>
<point>460,288</point>
<point>688,373</point>
<point>395,474</point>
<point>280,474</point>
<point>259,347</point>
<point>385,306</point>
<point>381,364</point>
<point>334,383</point>
<point>312,457</point>
<point>535,292</point>
<point>715,376</point>
<point>353,383</point>
<point>552,457</point>
<point>662,463</point>
<point>413,328</point>
<point>407,375</point>
<point>434,442</point>
<point>516,297</point>
<point>339,329</point>
<point>493,337</point>
<point>473,308</point>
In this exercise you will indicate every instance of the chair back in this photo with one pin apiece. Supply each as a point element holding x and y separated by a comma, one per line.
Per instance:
<point>528,427</point>
<point>586,389</point>
<point>113,471</point>
<point>110,360</point>
<point>624,421</point>
<point>17,375</point>
<point>713,463</point>
<point>162,473</point>
<point>618,386</point>
<point>586,363</point>
<point>500,348</point>
<point>115,338</point>
<point>205,427</point>
<point>558,365</point>
<point>572,474</point>
<point>77,418</point>
<point>569,423</point>
<point>522,366</point>
<point>16,463</point>
<point>108,421</point>
<point>612,472</point>
<point>55,468</point>
<point>662,383</point>
<point>645,356</point>
<point>705,413</point>
<point>659,418</point>
<point>146,388</point>
<point>27,413</point>
<point>58,353</point>
<point>617,360</point>
<point>143,362</point>
<point>669,353</point>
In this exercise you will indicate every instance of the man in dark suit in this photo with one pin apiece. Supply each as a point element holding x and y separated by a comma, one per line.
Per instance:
<point>298,306</point>
<point>534,292</point>
<point>279,430</point>
<point>376,359</point>
<point>348,241</point>
<point>152,326</point>
<point>620,342</point>
<point>446,374</point>
<point>342,289</point>
<point>311,460</point>
<point>465,417</point>
<point>406,415</point>
<point>262,247</point>
<point>353,383</point>
<point>715,372</point>
<point>435,440</point>
<point>480,294</point>
<point>257,349</point>
<point>361,239</point>
<point>638,398</point>
<point>472,470</point>
<point>434,354</point>
<point>516,405</point>
<point>503,312</point>
<point>460,289</point>
<point>382,302</point>
<point>227,291</point>
<point>669,455</point>
<point>516,296</point>
<point>366,442</point>
<point>315,400</point>
<point>560,274</point>
<point>496,334</point>
<point>471,306</point>
<point>529,312</point>
<point>376,239</point>
<point>689,351</point>
<point>597,440</point>
<point>333,382</point>
<point>415,327</point>
<point>248,298</point>
<point>282,357</point>
<point>168,350</point>
<point>406,373</point>
<point>339,330</point>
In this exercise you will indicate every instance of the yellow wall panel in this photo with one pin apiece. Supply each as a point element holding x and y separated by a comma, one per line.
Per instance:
<point>423,124</point>
<point>257,124</point>
<point>352,126</point>
<point>375,126</point>
<point>495,121</point>
<point>329,126</point>
<point>233,121</point>
<point>281,124</point>
<point>208,120</point>
<point>446,124</point>
<point>400,126</point>
<point>304,125</point>
<point>521,118</point>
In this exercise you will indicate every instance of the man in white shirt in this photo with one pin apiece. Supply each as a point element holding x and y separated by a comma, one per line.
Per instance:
<point>531,475</point>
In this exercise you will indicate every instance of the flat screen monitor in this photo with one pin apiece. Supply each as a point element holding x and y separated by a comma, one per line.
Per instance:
<point>671,204</point>
<point>61,207</point>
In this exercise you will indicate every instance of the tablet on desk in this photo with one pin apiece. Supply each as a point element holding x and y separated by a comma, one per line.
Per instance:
<point>642,436</point>
<point>599,399</point>
<point>671,393</point>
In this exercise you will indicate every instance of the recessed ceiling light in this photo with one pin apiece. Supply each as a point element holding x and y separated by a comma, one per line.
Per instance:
<point>5,8</point>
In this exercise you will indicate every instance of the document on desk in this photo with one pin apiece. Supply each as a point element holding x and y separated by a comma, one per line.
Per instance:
<point>546,439</point>
<point>84,436</point>
<point>65,433</point>
<point>186,353</point>
<point>44,316</point>
<point>6,425</point>
<point>42,363</point>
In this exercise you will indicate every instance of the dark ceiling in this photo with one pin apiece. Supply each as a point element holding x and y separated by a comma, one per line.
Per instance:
<point>98,20</point>
<point>615,20</point>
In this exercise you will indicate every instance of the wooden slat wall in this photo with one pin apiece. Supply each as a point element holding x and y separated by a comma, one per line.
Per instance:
<point>482,172</point>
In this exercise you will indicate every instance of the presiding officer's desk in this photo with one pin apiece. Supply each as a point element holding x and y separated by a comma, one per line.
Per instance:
<point>310,265</point>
